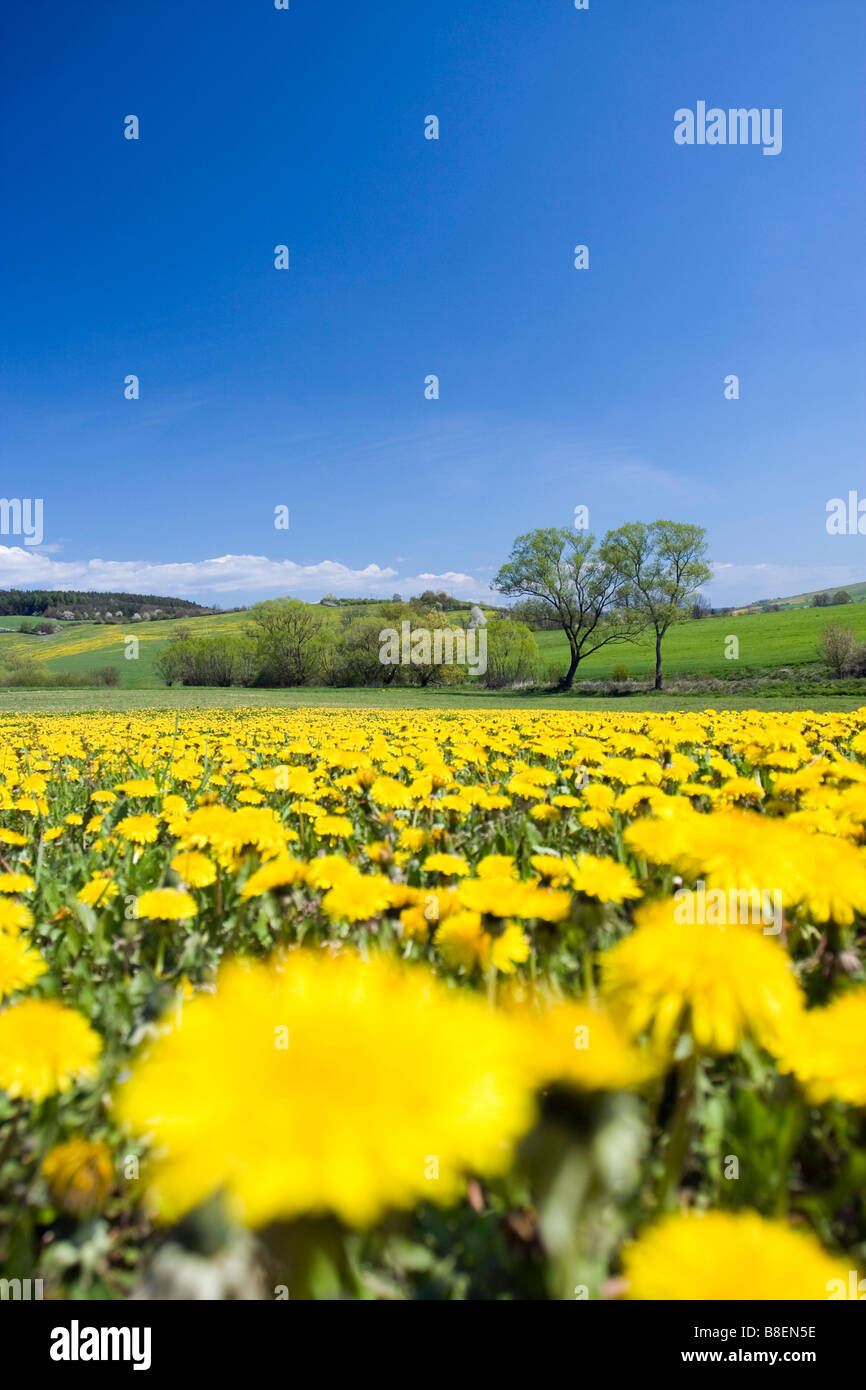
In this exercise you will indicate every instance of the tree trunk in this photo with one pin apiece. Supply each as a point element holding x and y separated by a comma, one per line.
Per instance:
<point>568,679</point>
<point>658,661</point>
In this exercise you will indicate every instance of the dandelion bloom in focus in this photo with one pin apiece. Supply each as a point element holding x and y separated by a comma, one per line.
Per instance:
<point>465,944</point>
<point>603,878</point>
<point>138,830</point>
<point>719,984</point>
<point>166,905</point>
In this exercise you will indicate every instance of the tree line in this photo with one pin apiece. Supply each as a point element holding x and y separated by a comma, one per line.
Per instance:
<point>71,603</point>
<point>288,642</point>
<point>640,579</point>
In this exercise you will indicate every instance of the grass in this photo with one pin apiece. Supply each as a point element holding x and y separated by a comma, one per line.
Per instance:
<point>768,642</point>
<point>182,698</point>
<point>789,638</point>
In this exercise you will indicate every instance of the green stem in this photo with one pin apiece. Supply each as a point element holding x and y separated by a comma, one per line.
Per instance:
<point>588,980</point>
<point>679,1137</point>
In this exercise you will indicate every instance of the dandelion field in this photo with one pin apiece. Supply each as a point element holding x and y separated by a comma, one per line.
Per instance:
<point>422,1004</point>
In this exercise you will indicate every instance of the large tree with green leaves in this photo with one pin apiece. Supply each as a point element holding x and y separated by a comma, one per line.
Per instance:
<point>290,637</point>
<point>660,566</point>
<point>562,569</point>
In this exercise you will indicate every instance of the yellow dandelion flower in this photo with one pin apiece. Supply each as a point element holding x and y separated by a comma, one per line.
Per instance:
<point>378,851</point>
<point>20,966</point>
<point>98,892</point>
<point>416,923</point>
<point>577,1044</point>
<point>16,883</point>
<point>138,830</point>
<point>194,868</point>
<point>45,1048</point>
<point>389,791</point>
<point>666,977</point>
<point>258,1092</point>
<point>327,870</point>
<point>826,1050</point>
<point>496,866</point>
<point>720,1255</point>
<point>413,838</point>
<point>465,944</point>
<point>338,826</point>
<point>454,865</point>
<point>165,905</point>
<point>277,873</point>
<point>14,916</point>
<point>12,837</point>
<point>598,876</point>
<point>358,898</point>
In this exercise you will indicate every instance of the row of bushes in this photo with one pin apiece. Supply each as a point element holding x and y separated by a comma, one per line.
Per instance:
<point>291,643</point>
<point>30,675</point>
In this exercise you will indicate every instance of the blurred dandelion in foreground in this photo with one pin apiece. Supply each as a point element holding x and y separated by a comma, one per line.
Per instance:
<point>323,1084</point>
<point>728,1255</point>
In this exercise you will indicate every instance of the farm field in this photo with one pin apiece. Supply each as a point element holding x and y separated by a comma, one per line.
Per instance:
<point>432,1004</point>
<point>767,640</point>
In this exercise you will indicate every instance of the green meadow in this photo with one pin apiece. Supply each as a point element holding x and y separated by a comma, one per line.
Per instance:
<point>440,697</point>
<point>783,644</point>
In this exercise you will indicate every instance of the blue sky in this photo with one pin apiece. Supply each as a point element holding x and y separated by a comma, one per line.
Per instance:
<point>305,388</point>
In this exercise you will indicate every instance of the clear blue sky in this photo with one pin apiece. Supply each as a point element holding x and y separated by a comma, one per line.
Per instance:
<point>305,387</point>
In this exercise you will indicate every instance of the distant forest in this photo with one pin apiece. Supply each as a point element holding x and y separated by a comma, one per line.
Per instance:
<point>72,603</point>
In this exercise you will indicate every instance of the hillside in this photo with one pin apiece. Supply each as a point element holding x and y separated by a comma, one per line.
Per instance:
<point>74,603</point>
<point>857,592</point>
<point>766,640</point>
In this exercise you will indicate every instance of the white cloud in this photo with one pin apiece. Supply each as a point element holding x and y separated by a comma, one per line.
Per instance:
<point>747,583</point>
<point>225,574</point>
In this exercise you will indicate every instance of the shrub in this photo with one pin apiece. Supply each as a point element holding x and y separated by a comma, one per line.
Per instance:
<point>837,646</point>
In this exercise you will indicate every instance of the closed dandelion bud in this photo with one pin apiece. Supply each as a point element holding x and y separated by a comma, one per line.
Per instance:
<point>79,1175</point>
